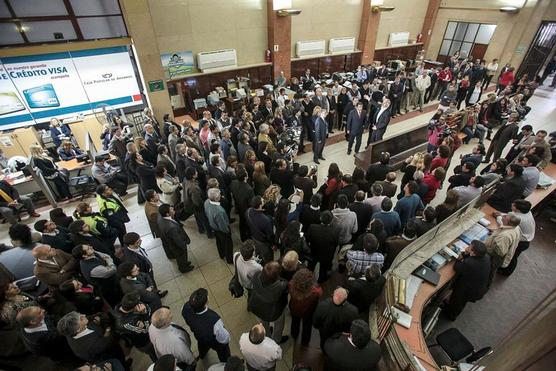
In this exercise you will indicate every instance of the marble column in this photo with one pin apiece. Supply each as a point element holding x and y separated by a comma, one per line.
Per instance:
<point>279,35</point>
<point>368,33</point>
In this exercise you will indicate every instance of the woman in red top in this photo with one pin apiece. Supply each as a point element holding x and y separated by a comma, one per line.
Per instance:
<point>433,182</point>
<point>333,185</point>
<point>442,158</point>
<point>507,78</point>
<point>462,90</point>
<point>304,297</point>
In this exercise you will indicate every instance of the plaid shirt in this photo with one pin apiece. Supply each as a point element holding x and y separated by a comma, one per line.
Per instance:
<point>360,260</point>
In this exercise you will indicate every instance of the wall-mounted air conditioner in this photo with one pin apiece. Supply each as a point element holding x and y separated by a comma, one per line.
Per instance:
<point>217,59</point>
<point>312,48</point>
<point>398,39</point>
<point>341,45</point>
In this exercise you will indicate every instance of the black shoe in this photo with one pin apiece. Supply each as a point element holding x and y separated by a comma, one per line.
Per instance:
<point>349,152</point>
<point>485,161</point>
<point>284,339</point>
<point>162,294</point>
<point>189,268</point>
<point>317,162</point>
<point>322,158</point>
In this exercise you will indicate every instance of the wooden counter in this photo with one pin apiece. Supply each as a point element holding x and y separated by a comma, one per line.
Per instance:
<point>413,337</point>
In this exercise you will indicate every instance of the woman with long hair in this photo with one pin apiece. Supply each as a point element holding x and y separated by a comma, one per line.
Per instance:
<point>270,199</point>
<point>442,158</point>
<point>278,120</point>
<point>281,218</point>
<point>260,179</point>
<point>333,185</point>
<point>50,171</point>
<point>249,162</point>
<point>145,172</point>
<point>358,178</point>
<point>304,297</point>
<point>144,150</point>
<point>409,166</point>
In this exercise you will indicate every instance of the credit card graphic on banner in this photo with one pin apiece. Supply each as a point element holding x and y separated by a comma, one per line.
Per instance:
<point>41,96</point>
<point>9,103</point>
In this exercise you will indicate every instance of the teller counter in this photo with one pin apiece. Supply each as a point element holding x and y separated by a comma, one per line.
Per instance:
<point>404,345</point>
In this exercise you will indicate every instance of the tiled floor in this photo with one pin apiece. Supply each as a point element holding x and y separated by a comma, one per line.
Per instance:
<point>212,273</point>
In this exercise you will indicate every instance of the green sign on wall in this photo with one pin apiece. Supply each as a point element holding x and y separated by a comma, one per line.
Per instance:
<point>156,85</point>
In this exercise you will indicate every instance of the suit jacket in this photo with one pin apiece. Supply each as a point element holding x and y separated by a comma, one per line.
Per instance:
<point>95,242</point>
<point>382,121</point>
<point>147,177</point>
<point>393,246</point>
<point>46,343</point>
<point>306,184</point>
<point>151,212</point>
<point>505,134</point>
<point>181,165</point>
<point>308,217</point>
<point>363,293</point>
<point>152,143</point>
<point>168,164</point>
<point>322,102</point>
<point>342,355</point>
<point>330,318</point>
<point>320,130</point>
<point>50,273</point>
<point>322,240</point>
<point>364,213</point>
<point>174,236</point>
<point>94,347</point>
<point>506,193</point>
<point>138,259</point>
<point>356,123</point>
<point>377,172</point>
<point>62,240</point>
<point>140,285</point>
<point>471,282</point>
<point>388,189</point>
<point>242,193</point>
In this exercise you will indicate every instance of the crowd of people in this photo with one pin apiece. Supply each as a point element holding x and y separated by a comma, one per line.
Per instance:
<point>71,293</point>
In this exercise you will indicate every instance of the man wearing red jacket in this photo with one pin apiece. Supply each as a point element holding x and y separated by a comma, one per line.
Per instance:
<point>444,78</point>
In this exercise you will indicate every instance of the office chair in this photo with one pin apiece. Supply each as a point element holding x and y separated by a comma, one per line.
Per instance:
<point>456,346</point>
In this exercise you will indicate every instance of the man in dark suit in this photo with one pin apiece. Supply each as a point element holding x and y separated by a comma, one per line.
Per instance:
<point>471,283</point>
<point>39,334</point>
<point>152,139</point>
<point>242,193</point>
<point>306,180</point>
<point>320,100</point>
<point>395,95</point>
<point>135,254</point>
<point>131,279</point>
<point>334,315</point>
<point>354,351</point>
<point>323,240</point>
<point>363,211</point>
<point>319,136</point>
<point>378,171</point>
<point>307,131</point>
<point>310,213</point>
<point>380,121</point>
<point>11,203</point>
<point>356,123</point>
<point>504,135</point>
<point>175,237</point>
<point>365,290</point>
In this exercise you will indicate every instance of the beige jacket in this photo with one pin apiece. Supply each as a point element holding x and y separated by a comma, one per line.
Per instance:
<point>503,242</point>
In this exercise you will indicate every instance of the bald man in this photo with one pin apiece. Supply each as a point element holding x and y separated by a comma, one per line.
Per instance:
<point>53,266</point>
<point>260,352</point>
<point>334,315</point>
<point>39,334</point>
<point>169,338</point>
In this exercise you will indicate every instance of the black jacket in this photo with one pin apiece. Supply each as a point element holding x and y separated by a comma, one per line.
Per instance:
<point>356,123</point>
<point>140,285</point>
<point>267,301</point>
<point>506,193</point>
<point>283,178</point>
<point>341,355</point>
<point>364,214</point>
<point>242,194</point>
<point>62,240</point>
<point>323,240</point>
<point>94,347</point>
<point>330,318</point>
<point>138,259</point>
<point>376,172</point>
<point>133,326</point>
<point>363,293</point>
<point>147,177</point>
<point>471,282</point>
<point>308,216</point>
<point>306,184</point>
<point>46,343</point>
<point>174,236</point>
<point>460,179</point>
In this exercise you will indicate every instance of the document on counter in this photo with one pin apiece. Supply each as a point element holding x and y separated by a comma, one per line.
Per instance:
<point>476,232</point>
<point>413,283</point>
<point>400,317</point>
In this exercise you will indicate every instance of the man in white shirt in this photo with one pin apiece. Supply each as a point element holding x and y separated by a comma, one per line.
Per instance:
<point>260,352</point>
<point>169,338</point>
<point>490,72</point>
<point>422,83</point>
<point>281,98</point>
<point>467,193</point>
<point>531,173</point>
<point>521,209</point>
<point>246,264</point>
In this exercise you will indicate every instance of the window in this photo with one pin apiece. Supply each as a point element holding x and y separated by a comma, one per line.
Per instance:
<point>462,36</point>
<point>24,22</point>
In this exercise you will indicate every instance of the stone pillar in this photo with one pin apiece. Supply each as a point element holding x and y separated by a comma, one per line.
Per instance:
<point>137,16</point>
<point>368,33</point>
<point>280,34</point>
<point>428,23</point>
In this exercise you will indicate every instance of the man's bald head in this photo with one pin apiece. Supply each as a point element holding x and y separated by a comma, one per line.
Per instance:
<point>340,295</point>
<point>257,334</point>
<point>42,251</point>
<point>30,317</point>
<point>161,318</point>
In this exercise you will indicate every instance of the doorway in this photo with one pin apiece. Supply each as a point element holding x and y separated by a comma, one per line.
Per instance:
<point>539,51</point>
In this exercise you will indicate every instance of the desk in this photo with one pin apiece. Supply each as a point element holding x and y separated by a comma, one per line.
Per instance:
<point>402,344</point>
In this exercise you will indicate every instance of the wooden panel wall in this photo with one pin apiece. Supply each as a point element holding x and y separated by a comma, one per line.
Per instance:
<point>403,53</point>
<point>328,64</point>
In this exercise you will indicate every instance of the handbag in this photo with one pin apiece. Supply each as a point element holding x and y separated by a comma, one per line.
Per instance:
<point>235,286</point>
